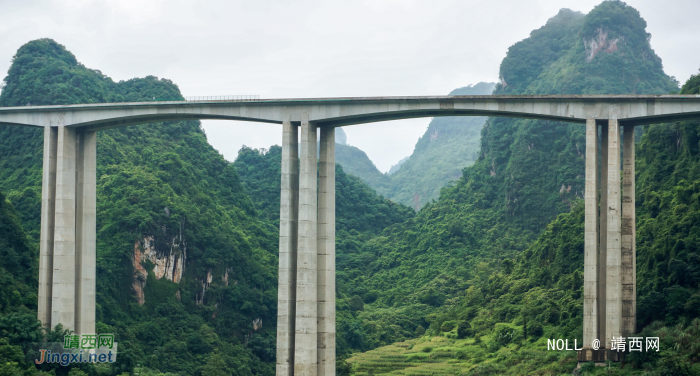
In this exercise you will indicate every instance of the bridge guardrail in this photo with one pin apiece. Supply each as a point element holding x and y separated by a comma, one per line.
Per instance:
<point>224,98</point>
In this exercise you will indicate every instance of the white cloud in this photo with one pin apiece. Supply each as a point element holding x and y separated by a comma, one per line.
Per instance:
<point>137,11</point>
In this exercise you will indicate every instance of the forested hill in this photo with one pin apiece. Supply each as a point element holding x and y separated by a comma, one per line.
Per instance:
<point>162,192</point>
<point>448,146</point>
<point>527,173</point>
<point>508,310</point>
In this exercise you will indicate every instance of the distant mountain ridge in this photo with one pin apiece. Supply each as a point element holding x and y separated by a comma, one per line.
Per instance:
<point>448,145</point>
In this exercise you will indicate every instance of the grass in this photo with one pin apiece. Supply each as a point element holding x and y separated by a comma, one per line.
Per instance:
<point>461,357</point>
<point>446,355</point>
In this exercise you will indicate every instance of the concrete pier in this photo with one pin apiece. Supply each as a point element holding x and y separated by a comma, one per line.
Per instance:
<point>306,294</point>
<point>326,253</point>
<point>603,233</point>
<point>610,285</point>
<point>306,327</point>
<point>85,232</point>
<point>289,216</point>
<point>48,206</point>
<point>628,246</point>
<point>590,267</point>
<point>67,247</point>
<point>613,299</point>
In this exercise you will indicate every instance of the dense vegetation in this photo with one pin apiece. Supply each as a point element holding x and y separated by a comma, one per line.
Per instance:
<point>161,181</point>
<point>165,184</point>
<point>510,308</point>
<point>357,163</point>
<point>487,254</point>
<point>449,145</point>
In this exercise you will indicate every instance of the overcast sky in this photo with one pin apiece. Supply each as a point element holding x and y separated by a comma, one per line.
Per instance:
<point>310,48</point>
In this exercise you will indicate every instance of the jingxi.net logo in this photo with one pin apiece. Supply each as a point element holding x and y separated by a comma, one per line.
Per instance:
<point>86,348</point>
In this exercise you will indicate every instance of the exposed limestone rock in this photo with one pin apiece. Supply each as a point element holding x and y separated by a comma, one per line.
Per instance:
<point>199,298</point>
<point>257,324</point>
<point>600,43</point>
<point>140,275</point>
<point>225,278</point>
<point>168,263</point>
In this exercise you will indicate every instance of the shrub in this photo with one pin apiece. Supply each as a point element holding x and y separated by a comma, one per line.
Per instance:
<point>504,335</point>
<point>356,303</point>
<point>427,349</point>
<point>464,330</point>
<point>448,325</point>
<point>535,330</point>
<point>371,297</point>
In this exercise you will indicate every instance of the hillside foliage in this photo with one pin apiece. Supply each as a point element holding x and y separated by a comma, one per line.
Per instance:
<point>165,182</point>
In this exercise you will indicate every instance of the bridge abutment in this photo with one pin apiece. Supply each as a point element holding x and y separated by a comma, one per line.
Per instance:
<point>68,229</point>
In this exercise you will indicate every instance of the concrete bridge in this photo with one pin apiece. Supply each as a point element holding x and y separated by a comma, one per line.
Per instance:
<point>306,308</point>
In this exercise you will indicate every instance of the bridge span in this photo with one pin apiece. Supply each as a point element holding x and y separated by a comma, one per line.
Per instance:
<point>306,301</point>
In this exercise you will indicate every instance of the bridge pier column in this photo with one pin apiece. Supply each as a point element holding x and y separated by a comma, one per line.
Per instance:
<point>306,294</point>
<point>326,253</point>
<point>67,246</point>
<point>289,217</point>
<point>609,261</point>
<point>306,329</point>
<point>629,238</point>
<point>613,281</point>
<point>590,263</point>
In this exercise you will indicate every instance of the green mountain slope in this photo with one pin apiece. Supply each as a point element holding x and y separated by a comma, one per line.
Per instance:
<point>163,191</point>
<point>356,162</point>
<point>511,310</point>
<point>360,215</point>
<point>449,145</point>
<point>528,172</point>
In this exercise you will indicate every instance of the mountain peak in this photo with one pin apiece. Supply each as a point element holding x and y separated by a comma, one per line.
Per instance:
<point>606,51</point>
